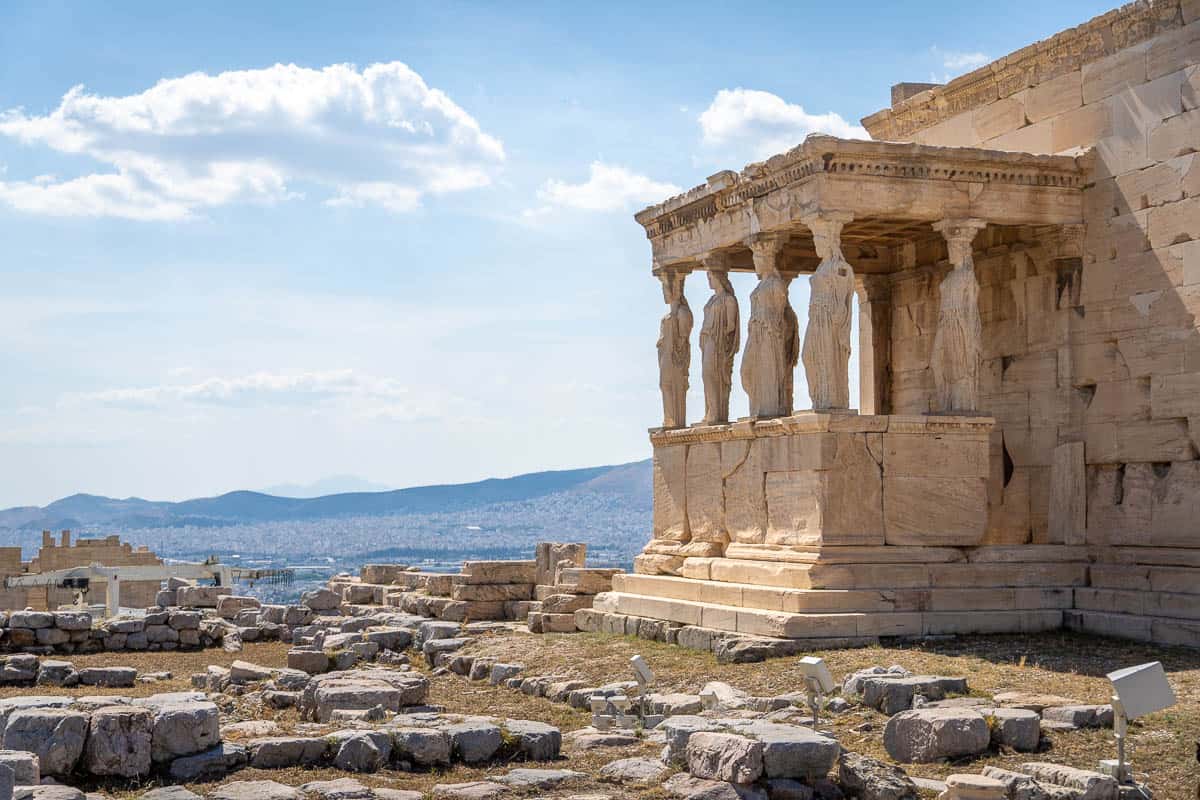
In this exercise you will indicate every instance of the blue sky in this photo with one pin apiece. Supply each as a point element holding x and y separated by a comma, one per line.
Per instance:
<point>273,243</point>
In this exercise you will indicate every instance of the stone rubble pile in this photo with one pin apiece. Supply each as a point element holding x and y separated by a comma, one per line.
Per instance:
<point>545,592</point>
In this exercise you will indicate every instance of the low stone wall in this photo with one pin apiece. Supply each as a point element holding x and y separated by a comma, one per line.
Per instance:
<point>67,632</point>
<point>544,592</point>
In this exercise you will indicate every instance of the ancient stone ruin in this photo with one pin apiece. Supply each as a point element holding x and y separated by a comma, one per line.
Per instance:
<point>1021,244</point>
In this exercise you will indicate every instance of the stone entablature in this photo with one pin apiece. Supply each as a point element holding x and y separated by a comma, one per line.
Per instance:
<point>892,191</point>
<point>1033,65</point>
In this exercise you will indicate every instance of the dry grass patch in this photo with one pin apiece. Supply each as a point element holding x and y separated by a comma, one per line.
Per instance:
<point>1163,745</point>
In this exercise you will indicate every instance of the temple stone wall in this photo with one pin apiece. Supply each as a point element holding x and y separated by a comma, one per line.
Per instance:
<point>109,551</point>
<point>1108,356</point>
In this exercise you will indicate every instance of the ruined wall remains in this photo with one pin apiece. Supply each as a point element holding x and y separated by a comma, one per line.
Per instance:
<point>109,551</point>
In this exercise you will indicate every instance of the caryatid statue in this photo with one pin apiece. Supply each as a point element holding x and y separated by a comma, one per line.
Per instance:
<point>674,349</point>
<point>958,340</point>
<point>766,374</point>
<point>827,338</point>
<point>720,338</point>
<point>792,348</point>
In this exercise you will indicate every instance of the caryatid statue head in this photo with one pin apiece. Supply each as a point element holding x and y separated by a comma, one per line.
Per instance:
<point>672,285</point>
<point>826,229</point>
<point>959,235</point>
<point>718,281</point>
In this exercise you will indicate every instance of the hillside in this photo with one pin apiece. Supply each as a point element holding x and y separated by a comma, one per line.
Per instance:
<point>82,511</point>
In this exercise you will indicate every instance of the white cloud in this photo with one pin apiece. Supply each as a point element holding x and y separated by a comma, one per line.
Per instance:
<point>956,62</point>
<point>379,136</point>
<point>749,124</point>
<point>608,188</point>
<point>257,388</point>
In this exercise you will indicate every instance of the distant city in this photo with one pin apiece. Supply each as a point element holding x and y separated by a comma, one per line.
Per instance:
<point>608,507</point>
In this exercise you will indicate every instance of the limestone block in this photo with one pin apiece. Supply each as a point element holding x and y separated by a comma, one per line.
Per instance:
<point>1190,90</point>
<point>496,572</point>
<point>745,500</point>
<point>55,735</point>
<point>794,506</point>
<point>1153,186</point>
<point>1119,401</point>
<point>1081,127</point>
<point>724,757</point>
<point>1009,519</point>
<point>1109,75</point>
<point>201,596</point>
<point>705,493</point>
<point>1175,395</point>
<point>670,493</point>
<point>1119,503</point>
<point>1175,509</point>
<point>1093,784</point>
<point>1154,440</point>
<point>587,580</point>
<point>1179,221</point>
<point>935,511</point>
<point>1017,728</point>
<point>864,776</point>
<point>655,564</point>
<point>492,592</point>
<point>119,741</point>
<point>999,117</point>
<point>1173,50</point>
<point>1068,496</point>
<point>923,455</point>
<point>425,747</point>
<point>1054,96</point>
<point>550,555</point>
<point>1034,138</point>
<point>925,735</point>
<point>184,729</point>
<point>474,742</point>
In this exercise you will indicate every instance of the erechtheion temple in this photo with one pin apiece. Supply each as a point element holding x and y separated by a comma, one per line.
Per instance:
<point>1023,244</point>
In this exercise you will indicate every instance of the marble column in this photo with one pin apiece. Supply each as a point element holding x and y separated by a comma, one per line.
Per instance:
<point>827,337</point>
<point>765,371</point>
<point>674,349</point>
<point>958,339</point>
<point>720,338</point>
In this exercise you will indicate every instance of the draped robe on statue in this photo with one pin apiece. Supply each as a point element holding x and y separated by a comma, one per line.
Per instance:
<point>765,372</point>
<point>827,338</point>
<point>674,360</point>
<point>720,337</point>
<point>958,341</point>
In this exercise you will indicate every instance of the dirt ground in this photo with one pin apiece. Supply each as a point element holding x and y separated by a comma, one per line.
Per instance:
<point>1162,747</point>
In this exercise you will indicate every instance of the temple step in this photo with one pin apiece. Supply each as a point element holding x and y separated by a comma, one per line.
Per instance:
<point>885,576</point>
<point>837,601</point>
<point>779,624</point>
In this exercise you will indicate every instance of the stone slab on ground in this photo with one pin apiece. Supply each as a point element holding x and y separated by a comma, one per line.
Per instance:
<point>925,735</point>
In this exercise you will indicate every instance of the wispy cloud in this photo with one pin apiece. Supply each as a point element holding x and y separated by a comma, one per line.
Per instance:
<point>956,62</point>
<point>608,188</point>
<point>262,388</point>
<point>748,124</point>
<point>378,136</point>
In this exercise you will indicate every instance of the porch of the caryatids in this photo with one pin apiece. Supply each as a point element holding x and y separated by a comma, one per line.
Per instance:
<point>766,373</point>
<point>958,339</point>
<point>826,351</point>
<point>720,338</point>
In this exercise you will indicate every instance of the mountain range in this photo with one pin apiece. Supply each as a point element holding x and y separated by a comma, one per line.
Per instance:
<point>630,482</point>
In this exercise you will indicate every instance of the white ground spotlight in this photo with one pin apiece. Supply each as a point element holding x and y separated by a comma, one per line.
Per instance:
<point>818,681</point>
<point>1138,691</point>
